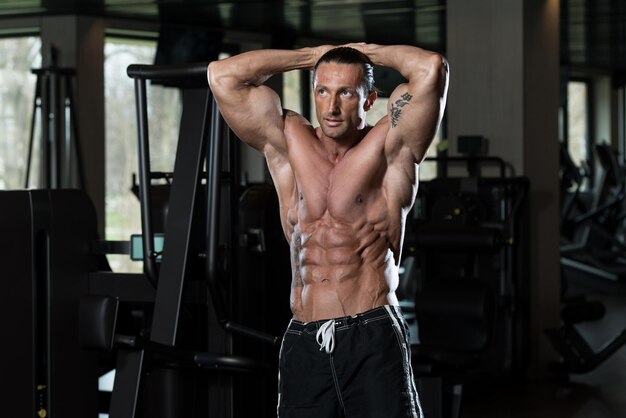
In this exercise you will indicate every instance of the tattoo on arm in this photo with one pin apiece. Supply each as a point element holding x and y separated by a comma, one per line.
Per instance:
<point>396,108</point>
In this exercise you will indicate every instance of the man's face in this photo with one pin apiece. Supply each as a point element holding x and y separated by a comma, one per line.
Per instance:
<point>340,102</point>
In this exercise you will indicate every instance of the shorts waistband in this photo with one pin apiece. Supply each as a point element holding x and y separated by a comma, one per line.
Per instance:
<point>345,321</point>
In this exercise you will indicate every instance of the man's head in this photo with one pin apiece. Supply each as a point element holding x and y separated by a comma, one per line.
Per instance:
<point>347,55</point>
<point>343,88</point>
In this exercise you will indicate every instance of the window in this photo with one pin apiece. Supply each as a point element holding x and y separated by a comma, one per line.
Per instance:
<point>17,90</point>
<point>164,111</point>
<point>292,94</point>
<point>577,121</point>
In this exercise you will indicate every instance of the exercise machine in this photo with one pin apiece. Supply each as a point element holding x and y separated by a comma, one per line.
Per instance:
<point>201,250</point>
<point>592,256</point>
<point>46,256</point>
<point>468,235</point>
<point>593,244</point>
<point>577,356</point>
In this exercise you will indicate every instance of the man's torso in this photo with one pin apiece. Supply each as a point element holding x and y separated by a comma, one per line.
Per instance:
<point>344,220</point>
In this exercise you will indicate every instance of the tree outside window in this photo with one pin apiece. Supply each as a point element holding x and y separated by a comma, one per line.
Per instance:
<point>17,90</point>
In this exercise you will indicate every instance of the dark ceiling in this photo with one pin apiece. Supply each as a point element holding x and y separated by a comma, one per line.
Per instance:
<point>593,32</point>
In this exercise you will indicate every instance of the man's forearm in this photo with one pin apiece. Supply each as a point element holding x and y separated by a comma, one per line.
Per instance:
<point>255,67</point>
<point>412,62</point>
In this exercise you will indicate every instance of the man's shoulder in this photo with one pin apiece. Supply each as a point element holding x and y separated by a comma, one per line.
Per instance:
<point>296,125</point>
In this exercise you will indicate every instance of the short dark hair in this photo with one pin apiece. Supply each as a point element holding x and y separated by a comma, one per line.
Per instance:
<point>347,55</point>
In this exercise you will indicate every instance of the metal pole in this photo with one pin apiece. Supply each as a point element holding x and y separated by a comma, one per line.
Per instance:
<point>55,124</point>
<point>144,181</point>
<point>36,108</point>
<point>214,174</point>
<point>74,133</point>
<point>45,163</point>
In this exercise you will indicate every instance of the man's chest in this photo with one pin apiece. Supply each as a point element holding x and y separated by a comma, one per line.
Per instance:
<point>347,189</point>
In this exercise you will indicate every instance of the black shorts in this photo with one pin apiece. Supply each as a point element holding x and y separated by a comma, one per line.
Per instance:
<point>366,375</point>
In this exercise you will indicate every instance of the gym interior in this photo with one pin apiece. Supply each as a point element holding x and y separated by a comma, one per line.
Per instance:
<point>129,290</point>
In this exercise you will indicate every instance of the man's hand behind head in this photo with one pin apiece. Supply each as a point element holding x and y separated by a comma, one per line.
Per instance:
<point>320,50</point>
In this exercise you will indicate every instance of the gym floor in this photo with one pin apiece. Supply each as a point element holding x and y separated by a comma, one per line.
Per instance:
<point>597,394</point>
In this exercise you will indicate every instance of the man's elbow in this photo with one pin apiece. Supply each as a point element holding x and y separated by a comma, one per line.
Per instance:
<point>436,69</point>
<point>213,74</point>
<point>435,73</point>
<point>220,80</point>
<point>224,77</point>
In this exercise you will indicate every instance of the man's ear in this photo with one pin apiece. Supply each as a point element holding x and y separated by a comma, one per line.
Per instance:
<point>369,101</point>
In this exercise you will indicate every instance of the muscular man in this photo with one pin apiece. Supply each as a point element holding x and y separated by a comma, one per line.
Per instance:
<point>344,189</point>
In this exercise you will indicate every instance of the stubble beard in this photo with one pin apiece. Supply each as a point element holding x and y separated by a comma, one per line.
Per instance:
<point>334,133</point>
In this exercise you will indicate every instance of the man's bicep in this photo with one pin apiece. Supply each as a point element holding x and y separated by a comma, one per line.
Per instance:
<point>414,115</point>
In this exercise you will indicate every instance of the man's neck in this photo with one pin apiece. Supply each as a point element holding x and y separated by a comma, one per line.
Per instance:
<point>336,149</point>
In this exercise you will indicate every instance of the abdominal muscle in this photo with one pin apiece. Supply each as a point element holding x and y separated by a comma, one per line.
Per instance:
<point>340,269</point>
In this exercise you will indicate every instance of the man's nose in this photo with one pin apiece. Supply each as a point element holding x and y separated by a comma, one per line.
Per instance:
<point>333,105</point>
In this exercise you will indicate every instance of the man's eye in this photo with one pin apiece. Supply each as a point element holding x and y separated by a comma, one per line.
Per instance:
<point>346,93</point>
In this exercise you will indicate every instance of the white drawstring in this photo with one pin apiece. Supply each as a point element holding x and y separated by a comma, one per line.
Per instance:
<point>326,336</point>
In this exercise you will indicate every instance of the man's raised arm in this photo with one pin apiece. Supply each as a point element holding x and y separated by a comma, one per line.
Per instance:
<point>415,109</point>
<point>252,110</point>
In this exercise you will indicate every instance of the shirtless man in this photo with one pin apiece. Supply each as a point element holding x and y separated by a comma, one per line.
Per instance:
<point>344,189</point>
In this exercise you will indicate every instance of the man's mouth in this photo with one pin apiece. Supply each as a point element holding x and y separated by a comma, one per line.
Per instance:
<point>333,122</point>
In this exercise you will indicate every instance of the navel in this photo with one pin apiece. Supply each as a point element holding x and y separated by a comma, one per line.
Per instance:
<point>359,199</point>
